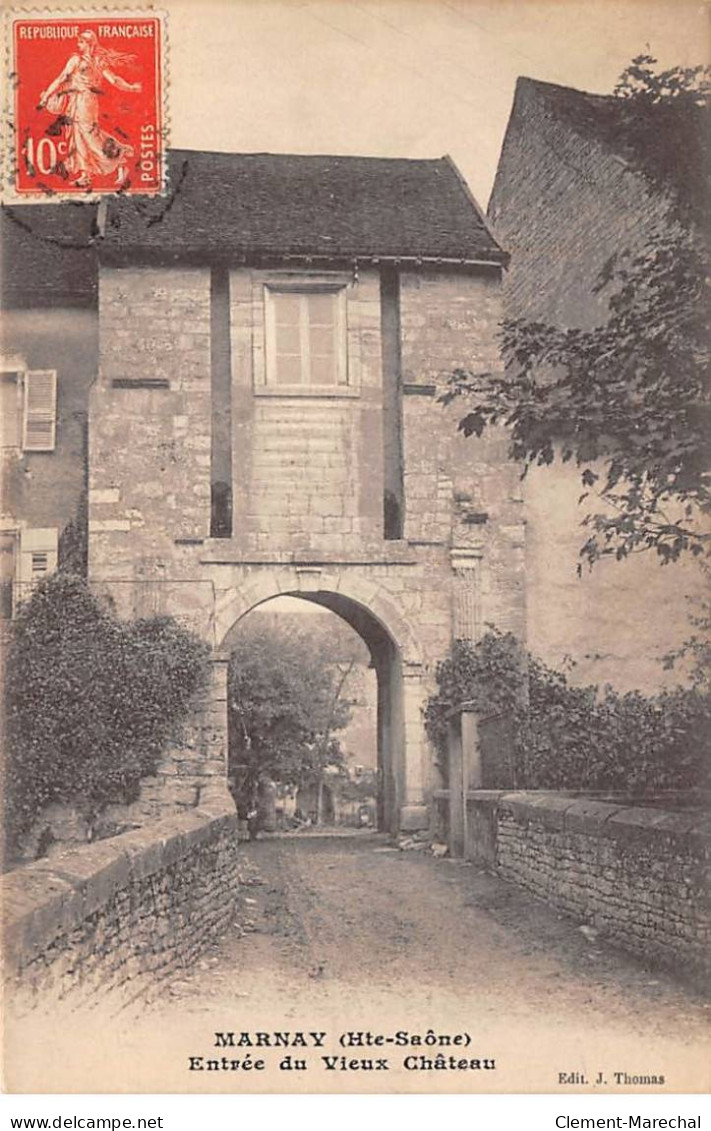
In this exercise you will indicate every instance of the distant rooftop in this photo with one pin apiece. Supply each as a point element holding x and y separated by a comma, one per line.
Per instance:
<point>668,142</point>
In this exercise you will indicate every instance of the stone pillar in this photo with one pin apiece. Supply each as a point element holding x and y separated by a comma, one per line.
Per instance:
<point>471,752</point>
<point>466,589</point>
<point>413,812</point>
<point>457,788</point>
<point>213,731</point>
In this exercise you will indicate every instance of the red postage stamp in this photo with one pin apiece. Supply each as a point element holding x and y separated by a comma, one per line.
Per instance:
<point>87,113</point>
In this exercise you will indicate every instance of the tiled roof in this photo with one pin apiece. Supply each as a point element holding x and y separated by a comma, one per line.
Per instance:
<point>248,205</point>
<point>236,204</point>
<point>669,142</point>
<point>48,254</point>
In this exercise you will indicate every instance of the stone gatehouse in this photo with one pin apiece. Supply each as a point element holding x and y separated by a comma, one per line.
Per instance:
<point>272,340</point>
<point>243,376</point>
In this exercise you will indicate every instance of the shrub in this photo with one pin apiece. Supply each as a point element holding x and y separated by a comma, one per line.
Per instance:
<point>568,737</point>
<point>91,701</point>
<point>490,678</point>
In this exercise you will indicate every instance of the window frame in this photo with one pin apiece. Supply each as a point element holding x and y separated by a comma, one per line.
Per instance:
<point>35,543</point>
<point>343,385</point>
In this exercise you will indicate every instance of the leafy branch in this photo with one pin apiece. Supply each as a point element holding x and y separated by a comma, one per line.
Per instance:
<point>628,400</point>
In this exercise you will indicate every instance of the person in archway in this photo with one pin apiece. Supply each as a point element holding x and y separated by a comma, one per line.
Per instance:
<point>253,822</point>
<point>244,794</point>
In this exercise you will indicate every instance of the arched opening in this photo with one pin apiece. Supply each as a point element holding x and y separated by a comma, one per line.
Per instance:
<point>381,665</point>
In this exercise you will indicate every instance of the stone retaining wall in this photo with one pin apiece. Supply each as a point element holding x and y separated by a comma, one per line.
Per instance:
<point>119,915</point>
<point>637,875</point>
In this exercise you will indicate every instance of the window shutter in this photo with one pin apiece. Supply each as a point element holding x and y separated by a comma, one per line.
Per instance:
<point>40,418</point>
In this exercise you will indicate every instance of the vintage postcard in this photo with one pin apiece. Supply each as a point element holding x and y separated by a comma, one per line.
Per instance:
<point>354,535</point>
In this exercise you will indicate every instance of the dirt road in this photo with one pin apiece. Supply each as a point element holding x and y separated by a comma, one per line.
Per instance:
<point>349,934</point>
<point>338,935</point>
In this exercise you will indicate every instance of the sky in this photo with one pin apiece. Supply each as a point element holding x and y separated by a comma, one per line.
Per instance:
<point>399,78</point>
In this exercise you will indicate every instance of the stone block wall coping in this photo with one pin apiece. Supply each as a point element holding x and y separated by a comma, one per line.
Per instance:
<point>47,898</point>
<point>389,553</point>
<point>484,796</point>
<point>615,820</point>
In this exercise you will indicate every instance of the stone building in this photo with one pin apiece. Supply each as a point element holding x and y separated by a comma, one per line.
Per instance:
<point>569,194</point>
<point>263,349</point>
<point>48,356</point>
<point>239,381</point>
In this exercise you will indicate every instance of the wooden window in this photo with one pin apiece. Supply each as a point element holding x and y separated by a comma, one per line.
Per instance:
<point>10,409</point>
<point>306,336</point>
<point>40,411</point>
<point>37,558</point>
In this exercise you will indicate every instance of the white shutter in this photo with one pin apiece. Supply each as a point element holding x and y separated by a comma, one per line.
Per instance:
<point>37,558</point>
<point>40,416</point>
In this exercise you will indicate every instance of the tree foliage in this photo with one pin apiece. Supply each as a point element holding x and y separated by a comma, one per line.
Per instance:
<point>74,541</point>
<point>91,702</point>
<point>286,703</point>
<point>627,401</point>
<point>569,737</point>
<point>489,678</point>
<point>666,114</point>
<point>694,654</point>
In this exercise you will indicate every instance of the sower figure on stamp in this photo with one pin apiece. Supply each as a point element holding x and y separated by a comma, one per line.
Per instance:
<point>75,97</point>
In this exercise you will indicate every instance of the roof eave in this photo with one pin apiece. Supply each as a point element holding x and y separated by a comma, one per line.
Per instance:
<point>495,259</point>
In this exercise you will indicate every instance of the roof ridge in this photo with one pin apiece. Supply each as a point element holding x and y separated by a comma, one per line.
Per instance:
<point>464,186</point>
<point>526,79</point>
<point>308,156</point>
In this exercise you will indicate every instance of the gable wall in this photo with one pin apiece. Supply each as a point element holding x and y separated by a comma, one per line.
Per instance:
<point>561,206</point>
<point>307,470</point>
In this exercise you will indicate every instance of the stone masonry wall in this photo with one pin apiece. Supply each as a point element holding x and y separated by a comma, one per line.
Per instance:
<point>43,489</point>
<point>118,916</point>
<point>462,492</point>
<point>638,876</point>
<point>307,469</point>
<point>307,480</point>
<point>562,205</point>
<point>150,446</point>
<point>602,617</point>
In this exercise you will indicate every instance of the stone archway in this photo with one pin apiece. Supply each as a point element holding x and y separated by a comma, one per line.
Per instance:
<point>396,658</point>
<point>310,583</point>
